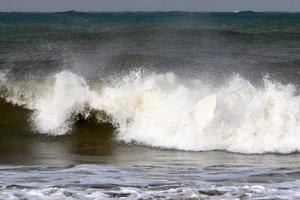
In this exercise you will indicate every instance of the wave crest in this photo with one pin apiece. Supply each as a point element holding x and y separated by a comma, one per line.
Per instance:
<point>148,109</point>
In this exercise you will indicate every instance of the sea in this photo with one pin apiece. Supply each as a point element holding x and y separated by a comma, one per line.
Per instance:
<point>101,105</point>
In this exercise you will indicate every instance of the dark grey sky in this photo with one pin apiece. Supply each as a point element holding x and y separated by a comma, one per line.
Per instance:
<point>149,5</point>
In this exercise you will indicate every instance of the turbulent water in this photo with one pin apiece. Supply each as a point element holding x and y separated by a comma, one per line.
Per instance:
<point>100,105</point>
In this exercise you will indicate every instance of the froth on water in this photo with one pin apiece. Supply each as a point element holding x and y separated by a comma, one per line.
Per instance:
<point>155,110</point>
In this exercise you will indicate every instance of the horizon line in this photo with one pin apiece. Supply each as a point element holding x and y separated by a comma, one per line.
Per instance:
<point>151,11</point>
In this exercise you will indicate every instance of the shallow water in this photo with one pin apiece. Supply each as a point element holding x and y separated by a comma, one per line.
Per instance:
<point>76,168</point>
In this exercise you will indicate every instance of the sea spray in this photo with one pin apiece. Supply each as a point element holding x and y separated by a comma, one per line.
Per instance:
<point>70,96</point>
<point>148,110</point>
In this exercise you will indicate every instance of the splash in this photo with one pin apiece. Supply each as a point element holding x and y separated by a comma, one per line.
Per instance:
<point>150,109</point>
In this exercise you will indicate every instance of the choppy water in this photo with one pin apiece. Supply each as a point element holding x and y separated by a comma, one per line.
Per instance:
<point>102,105</point>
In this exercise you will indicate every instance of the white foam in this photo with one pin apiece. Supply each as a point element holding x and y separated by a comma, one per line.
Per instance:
<point>150,110</point>
<point>212,192</point>
<point>69,97</point>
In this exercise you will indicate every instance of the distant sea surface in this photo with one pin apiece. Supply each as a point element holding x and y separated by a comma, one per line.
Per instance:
<point>104,105</point>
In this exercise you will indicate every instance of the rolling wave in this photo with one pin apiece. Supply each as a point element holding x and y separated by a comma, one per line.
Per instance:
<point>148,109</point>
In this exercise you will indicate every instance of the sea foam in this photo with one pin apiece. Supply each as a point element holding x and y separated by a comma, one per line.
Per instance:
<point>149,109</point>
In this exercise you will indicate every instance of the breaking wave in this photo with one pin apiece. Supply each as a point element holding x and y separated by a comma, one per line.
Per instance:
<point>149,109</point>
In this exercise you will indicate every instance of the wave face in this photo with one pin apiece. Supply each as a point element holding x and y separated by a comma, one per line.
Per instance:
<point>148,109</point>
